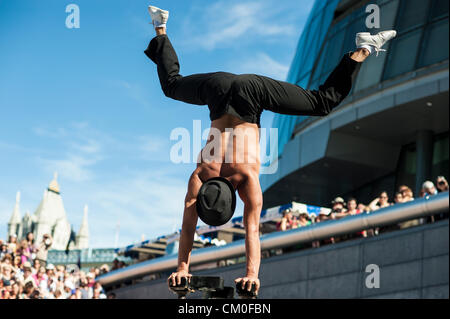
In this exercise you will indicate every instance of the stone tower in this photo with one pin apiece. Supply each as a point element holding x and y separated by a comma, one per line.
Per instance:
<point>14,225</point>
<point>83,234</point>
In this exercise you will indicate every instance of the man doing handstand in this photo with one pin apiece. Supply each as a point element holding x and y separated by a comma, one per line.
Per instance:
<point>236,102</point>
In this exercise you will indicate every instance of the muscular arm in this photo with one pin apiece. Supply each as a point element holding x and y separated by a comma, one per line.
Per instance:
<point>190,219</point>
<point>251,195</point>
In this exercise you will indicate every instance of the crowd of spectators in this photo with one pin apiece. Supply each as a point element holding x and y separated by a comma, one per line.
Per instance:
<point>341,209</point>
<point>25,273</point>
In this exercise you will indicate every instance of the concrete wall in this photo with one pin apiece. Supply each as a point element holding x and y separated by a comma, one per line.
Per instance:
<point>413,264</point>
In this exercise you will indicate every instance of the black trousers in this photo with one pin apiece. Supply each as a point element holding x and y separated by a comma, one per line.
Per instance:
<point>247,95</point>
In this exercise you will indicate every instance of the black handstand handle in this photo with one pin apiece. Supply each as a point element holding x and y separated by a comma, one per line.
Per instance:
<point>204,283</point>
<point>244,293</point>
<point>200,283</point>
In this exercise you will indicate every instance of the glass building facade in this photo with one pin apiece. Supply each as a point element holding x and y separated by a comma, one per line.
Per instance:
<point>393,87</point>
<point>422,40</point>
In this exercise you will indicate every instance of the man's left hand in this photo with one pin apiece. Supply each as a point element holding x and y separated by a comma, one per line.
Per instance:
<point>247,282</point>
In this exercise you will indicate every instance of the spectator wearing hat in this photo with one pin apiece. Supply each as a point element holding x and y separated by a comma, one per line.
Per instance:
<point>51,275</point>
<point>442,184</point>
<point>43,248</point>
<point>338,209</point>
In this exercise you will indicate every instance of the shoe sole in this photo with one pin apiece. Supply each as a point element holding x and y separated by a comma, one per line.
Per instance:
<point>154,10</point>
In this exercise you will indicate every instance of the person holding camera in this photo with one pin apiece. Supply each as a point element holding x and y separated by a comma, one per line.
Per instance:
<point>441,184</point>
<point>43,248</point>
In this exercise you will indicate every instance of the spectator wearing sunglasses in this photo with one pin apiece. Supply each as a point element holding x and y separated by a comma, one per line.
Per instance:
<point>381,201</point>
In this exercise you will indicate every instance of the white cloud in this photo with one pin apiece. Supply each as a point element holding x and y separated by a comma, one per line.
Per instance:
<point>134,91</point>
<point>146,201</point>
<point>72,167</point>
<point>80,148</point>
<point>153,148</point>
<point>224,22</point>
<point>142,202</point>
<point>262,64</point>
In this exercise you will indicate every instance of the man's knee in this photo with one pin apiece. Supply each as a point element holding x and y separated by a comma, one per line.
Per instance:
<point>168,87</point>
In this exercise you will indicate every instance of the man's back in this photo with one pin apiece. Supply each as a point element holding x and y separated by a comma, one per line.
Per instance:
<point>232,151</point>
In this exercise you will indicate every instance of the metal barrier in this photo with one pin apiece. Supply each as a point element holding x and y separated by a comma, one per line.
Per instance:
<point>387,216</point>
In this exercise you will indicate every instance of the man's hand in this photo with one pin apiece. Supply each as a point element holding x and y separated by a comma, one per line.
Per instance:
<point>247,282</point>
<point>175,278</point>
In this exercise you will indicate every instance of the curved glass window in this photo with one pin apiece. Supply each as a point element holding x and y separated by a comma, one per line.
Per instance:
<point>440,157</point>
<point>372,69</point>
<point>439,9</point>
<point>413,13</point>
<point>435,44</point>
<point>300,72</point>
<point>422,40</point>
<point>402,55</point>
<point>422,37</point>
<point>406,170</point>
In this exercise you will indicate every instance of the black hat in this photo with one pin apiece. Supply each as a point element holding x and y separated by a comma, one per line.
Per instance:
<point>216,201</point>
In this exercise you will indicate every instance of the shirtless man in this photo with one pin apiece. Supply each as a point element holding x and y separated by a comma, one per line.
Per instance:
<point>236,102</point>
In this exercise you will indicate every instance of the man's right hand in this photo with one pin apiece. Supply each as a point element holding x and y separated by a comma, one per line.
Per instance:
<point>175,278</point>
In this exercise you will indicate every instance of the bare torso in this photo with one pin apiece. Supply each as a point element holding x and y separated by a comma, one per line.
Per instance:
<point>234,154</point>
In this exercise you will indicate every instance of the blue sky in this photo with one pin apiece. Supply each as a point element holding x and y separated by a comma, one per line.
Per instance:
<point>87,102</point>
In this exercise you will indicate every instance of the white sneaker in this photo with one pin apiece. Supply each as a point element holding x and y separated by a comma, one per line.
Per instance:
<point>365,39</point>
<point>159,16</point>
